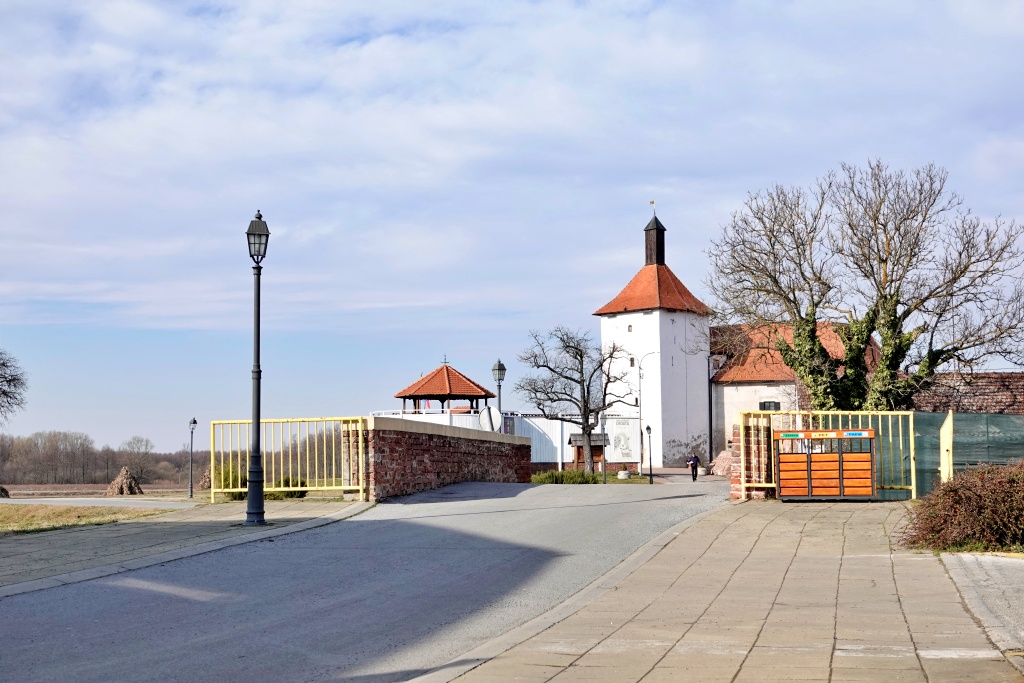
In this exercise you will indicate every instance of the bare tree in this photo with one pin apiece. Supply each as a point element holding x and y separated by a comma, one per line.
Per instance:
<point>575,383</point>
<point>137,455</point>
<point>13,385</point>
<point>880,254</point>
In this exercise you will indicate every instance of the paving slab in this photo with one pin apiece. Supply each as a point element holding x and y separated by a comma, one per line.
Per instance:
<point>766,591</point>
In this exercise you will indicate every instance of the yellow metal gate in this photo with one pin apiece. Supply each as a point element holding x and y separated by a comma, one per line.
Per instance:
<point>299,454</point>
<point>895,459</point>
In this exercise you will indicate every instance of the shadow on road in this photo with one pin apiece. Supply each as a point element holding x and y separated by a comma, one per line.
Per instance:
<point>312,605</point>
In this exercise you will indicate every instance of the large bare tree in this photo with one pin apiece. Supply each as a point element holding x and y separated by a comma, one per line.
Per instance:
<point>575,382</point>
<point>881,254</point>
<point>13,385</point>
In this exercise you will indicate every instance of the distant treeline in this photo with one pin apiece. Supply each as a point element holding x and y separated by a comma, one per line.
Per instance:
<point>73,458</point>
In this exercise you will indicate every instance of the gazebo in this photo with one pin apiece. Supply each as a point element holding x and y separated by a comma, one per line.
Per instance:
<point>446,384</point>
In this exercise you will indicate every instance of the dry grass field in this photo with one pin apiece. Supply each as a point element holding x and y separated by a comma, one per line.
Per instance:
<point>15,519</point>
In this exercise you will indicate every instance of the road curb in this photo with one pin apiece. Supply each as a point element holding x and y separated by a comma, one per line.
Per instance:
<point>604,583</point>
<point>177,554</point>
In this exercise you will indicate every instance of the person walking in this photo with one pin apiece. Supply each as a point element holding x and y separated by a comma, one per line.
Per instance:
<point>693,462</point>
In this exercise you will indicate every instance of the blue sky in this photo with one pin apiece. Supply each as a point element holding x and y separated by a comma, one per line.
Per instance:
<point>438,178</point>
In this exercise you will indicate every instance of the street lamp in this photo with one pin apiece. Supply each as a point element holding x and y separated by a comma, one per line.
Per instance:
<point>604,457</point>
<point>640,403</point>
<point>650,459</point>
<point>191,446</point>
<point>258,236</point>
<point>498,372</point>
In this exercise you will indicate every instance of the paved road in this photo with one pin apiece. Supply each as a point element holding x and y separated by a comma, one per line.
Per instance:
<point>381,597</point>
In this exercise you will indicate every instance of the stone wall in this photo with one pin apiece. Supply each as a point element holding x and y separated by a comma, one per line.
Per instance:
<point>407,456</point>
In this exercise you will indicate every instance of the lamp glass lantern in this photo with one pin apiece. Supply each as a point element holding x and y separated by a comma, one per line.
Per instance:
<point>498,371</point>
<point>259,236</point>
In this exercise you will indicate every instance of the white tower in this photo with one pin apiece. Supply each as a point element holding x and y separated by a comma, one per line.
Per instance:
<point>664,329</point>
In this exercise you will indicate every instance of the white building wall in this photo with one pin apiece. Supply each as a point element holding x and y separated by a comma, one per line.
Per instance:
<point>684,389</point>
<point>732,399</point>
<point>672,350</point>
<point>549,439</point>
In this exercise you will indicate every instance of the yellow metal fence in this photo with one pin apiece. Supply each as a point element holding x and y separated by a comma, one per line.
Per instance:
<point>895,455</point>
<point>299,454</point>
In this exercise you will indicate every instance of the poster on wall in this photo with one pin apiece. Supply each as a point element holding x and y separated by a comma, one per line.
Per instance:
<point>622,447</point>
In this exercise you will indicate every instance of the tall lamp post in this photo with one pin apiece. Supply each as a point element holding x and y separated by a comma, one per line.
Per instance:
<point>650,460</point>
<point>191,447</point>
<point>498,372</point>
<point>258,235</point>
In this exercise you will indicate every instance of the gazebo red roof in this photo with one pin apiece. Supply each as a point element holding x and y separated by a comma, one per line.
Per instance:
<point>444,384</point>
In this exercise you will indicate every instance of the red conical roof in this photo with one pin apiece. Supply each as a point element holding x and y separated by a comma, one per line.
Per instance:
<point>443,384</point>
<point>655,286</point>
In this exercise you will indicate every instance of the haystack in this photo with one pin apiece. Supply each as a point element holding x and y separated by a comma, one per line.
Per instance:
<point>124,485</point>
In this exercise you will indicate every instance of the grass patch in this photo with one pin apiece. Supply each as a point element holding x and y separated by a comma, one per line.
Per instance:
<point>20,519</point>
<point>981,509</point>
<point>580,477</point>
<point>565,477</point>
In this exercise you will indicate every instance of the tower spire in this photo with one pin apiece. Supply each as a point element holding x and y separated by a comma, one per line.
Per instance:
<point>654,242</point>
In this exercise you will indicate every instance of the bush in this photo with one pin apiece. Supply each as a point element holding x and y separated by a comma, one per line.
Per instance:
<point>565,477</point>
<point>271,495</point>
<point>281,495</point>
<point>980,509</point>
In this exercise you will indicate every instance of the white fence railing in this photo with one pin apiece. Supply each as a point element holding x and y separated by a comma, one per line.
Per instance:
<point>549,439</point>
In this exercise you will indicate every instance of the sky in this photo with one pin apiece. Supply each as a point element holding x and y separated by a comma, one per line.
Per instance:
<point>438,178</point>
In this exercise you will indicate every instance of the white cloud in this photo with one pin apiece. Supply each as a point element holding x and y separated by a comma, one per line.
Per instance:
<point>470,147</point>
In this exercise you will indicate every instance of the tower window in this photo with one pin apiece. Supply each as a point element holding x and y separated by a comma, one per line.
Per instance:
<point>636,401</point>
<point>629,328</point>
<point>632,362</point>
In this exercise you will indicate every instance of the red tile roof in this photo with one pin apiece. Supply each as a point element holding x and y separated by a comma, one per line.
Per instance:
<point>979,392</point>
<point>445,383</point>
<point>752,357</point>
<point>655,286</point>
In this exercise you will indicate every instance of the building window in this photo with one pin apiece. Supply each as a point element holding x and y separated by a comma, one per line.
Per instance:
<point>629,328</point>
<point>632,362</point>
<point>636,401</point>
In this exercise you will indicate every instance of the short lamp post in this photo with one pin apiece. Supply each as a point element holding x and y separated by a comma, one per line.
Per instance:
<point>650,455</point>
<point>498,372</point>
<point>191,447</point>
<point>258,235</point>
<point>604,456</point>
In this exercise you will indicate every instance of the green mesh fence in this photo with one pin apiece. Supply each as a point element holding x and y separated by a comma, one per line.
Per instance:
<point>978,438</point>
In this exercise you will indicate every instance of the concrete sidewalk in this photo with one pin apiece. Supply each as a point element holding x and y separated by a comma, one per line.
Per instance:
<point>41,560</point>
<point>763,591</point>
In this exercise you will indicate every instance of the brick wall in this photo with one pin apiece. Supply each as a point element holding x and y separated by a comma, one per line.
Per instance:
<point>757,445</point>
<point>407,456</point>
